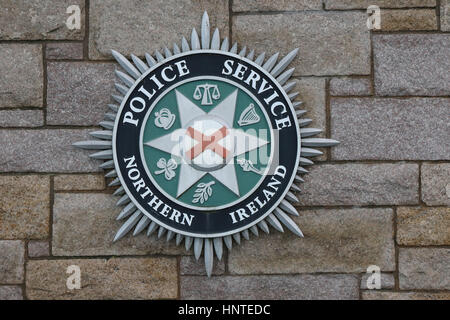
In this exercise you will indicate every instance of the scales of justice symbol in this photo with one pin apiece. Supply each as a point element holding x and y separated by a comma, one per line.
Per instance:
<point>207,96</point>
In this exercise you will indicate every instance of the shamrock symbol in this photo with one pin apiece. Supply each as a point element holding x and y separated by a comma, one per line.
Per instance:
<point>167,167</point>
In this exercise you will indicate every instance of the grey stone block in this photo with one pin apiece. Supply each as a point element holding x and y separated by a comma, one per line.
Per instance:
<point>84,224</point>
<point>330,43</point>
<point>436,183</point>
<point>21,118</point>
<point>390,129</point>
<point>78,92</point>
<point>364,4</point>
<point>350,87</point>
<point>340,240</point>
<point>134,26</point>
<point>412,64</point>
<point>115,278</point>
<point>445,15</point>
<point>270,5</point>
<point>12,256</point>
<point>64,50</point>
<point>361,184</point>
<point>21,67</point>
<point>39,19</point>
<point>391,295</point>
<point>11,293</point>
<point>46,150</point>
<point>424,268</point>
<point>38,249</point>
<point>307,287</point>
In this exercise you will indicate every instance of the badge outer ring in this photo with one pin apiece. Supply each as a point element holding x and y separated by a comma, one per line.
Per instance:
<point>214,235</point>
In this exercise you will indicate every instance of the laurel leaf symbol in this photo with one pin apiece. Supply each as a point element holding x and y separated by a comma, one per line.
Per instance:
<point>203,192</point>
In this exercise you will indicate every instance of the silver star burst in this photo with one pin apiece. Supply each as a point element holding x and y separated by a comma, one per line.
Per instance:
<point>133,217</point>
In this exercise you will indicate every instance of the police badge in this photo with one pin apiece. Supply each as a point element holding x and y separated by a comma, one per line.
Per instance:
<point>205,144</point>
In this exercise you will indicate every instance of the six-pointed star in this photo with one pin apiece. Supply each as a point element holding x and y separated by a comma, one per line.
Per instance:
<point>232,143</point>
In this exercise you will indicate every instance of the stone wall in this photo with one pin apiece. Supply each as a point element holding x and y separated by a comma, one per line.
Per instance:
<point>379,198</point>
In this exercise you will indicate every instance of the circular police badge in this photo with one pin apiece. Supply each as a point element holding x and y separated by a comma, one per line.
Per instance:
<point>206,144</point>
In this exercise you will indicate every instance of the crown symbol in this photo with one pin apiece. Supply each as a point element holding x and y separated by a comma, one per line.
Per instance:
<point>248,116</point>
<point>164,119</point>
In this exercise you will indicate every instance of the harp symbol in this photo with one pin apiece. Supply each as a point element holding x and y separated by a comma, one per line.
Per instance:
<point>248,116</point>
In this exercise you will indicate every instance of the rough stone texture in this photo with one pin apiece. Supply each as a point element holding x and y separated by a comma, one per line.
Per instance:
<point>402,20</point>
<point>78,92</point>
<point>377,295</point>
<point>383,199</point>
<point>73,213</point>
<point>10,293</point>
<point>301,287</point>
<point>21,83</point>
<point>65,50</point>
<point>24,207</point>
<point>21,118</point>
<point>38,19</point>
<point>350,87</point>
<point>38,249</point>
<point>364,4</point>
<point>135,26</point>
<point>361,184</point>
<point>424,268</point>
<point>190,266</point>
<point>79,182</point>
<point>423,226</point>
<point>312,93</point>
<point>45,150</point>
<point>12,254</point>
<point>330,43</point>
<point>390,129</point>
<point>436,183</point>
<point>412,64</point>
<point>445,15</point>
<point>280,5</point>
<point>116,278</point>
<point>335,241</point>
<point>387,281</point>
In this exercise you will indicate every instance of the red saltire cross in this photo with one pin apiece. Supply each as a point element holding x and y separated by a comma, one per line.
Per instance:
<point>207,142</point>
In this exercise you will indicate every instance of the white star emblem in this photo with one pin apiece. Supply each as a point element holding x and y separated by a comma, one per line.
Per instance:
<point>207,143</point>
